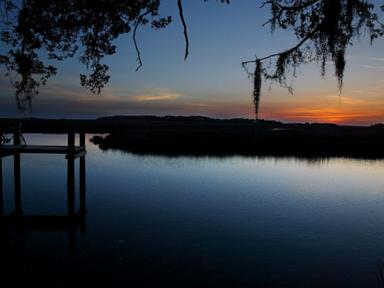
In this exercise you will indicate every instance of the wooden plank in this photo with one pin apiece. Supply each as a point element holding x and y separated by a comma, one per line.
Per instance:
<point>39,149</point>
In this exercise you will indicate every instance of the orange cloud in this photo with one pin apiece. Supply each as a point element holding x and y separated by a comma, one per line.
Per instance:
<point>161,96</point>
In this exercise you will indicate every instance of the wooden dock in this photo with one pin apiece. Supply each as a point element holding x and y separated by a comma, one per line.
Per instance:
<point>70,149</point>
<point>73,219</point>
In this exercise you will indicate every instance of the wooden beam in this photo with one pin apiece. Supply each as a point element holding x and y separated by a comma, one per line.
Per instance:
<point>1,188</point>
<point>38,149</point>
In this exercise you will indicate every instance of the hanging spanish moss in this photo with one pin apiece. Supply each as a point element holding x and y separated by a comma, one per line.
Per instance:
<point>257,87</point>
<point>339,60</point>
<point>28,66</point>
<point>26,89</point>
<point>324,30</point>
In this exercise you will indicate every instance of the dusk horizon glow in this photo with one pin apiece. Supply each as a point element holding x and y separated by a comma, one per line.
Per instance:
<point>211,82</point>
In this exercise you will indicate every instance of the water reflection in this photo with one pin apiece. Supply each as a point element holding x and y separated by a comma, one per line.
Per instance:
<point>204,221</point>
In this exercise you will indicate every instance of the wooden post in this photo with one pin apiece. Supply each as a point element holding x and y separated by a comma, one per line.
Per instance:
<point>1,176</point>
<point>17,176</point>
<point>1,186</point>
<point>71,175</point>
<point>82,175</point>
<point>72,238</point>
<point>71,142</point>
<point>71,191</point>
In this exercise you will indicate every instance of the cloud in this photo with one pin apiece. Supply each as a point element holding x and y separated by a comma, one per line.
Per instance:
<point>344,100</point>
<point>160,96</point>
<point>367,58</point>
<point>371,66</point>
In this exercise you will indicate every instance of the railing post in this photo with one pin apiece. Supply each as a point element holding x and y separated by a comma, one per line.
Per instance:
<point>71,174</point>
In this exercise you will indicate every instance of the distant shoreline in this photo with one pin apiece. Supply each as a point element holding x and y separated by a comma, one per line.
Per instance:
<point>201,136</point>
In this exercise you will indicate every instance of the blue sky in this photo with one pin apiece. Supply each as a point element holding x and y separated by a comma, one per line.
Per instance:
<point>212,82</point>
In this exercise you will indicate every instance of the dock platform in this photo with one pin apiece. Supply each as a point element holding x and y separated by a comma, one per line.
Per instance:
<point>40,149</point>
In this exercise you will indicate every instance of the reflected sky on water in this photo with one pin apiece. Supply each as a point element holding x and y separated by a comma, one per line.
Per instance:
<point>184,221</point>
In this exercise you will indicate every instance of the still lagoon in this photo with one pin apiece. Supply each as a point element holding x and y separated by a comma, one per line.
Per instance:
<point>199,221</point>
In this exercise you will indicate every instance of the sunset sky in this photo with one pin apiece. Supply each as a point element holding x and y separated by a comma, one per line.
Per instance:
<point>212,82</point>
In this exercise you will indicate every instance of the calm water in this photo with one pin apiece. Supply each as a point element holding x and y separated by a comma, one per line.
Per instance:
<point>192,222</point>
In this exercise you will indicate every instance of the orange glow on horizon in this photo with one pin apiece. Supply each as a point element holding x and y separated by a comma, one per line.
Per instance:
<point>348,109</point>
<point>351,108</point>
<point>327,115</point>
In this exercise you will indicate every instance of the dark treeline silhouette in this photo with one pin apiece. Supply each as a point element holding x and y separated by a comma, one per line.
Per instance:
<point>241,138</point>
<point>88,29</point>
<point>197,135</point>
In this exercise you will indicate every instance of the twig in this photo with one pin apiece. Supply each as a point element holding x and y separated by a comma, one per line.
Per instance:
<point>134,39</point>
<point>181,15</point>
<point>283,8</point>
<point>293,7</point>
<point>288,51</point>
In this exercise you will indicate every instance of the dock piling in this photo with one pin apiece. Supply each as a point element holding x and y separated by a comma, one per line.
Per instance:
<point>17,176</point>
<point>1,187</point>
<point>71,174</point>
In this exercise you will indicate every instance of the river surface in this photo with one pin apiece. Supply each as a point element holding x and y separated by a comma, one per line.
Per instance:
<point>156,221</point>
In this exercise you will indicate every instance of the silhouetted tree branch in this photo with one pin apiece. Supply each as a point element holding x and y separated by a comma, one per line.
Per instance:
<point>278,9</point>
<point>324,29</point>
<point>65,28</point>
<point>88,28</point>
<point>181,14</point>
<point>135,41</point>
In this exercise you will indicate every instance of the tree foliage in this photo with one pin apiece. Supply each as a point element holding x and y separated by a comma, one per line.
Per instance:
<point>62,29</point>
<point>324,29</point>
<point>41,30</point>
